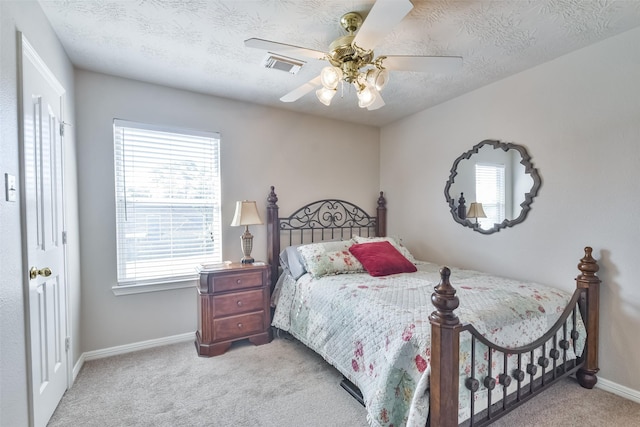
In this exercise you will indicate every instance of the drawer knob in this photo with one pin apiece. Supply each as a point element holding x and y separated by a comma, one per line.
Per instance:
<point>239,325</point>
<point>239,303</point>
<point>238,281</point>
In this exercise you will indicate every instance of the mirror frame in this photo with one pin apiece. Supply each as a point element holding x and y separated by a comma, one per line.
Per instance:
<point>528,199</point>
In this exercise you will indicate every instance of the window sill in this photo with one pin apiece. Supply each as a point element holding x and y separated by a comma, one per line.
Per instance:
<point>119,290</point>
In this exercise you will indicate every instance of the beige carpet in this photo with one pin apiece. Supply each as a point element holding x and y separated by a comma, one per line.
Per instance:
<point>279,384</point>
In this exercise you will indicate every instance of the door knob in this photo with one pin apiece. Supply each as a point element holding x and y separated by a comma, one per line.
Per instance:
<point>34,272</point>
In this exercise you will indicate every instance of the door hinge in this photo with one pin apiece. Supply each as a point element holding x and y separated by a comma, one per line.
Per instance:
<point>67,343</point>
<point>64,237</point>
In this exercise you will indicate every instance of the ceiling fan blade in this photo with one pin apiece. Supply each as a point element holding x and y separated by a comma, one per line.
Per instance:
<point>378,103</point>
<point>286,49</point>
<point>301,91</point>
<point>384,15</point>
<point>429,64</point>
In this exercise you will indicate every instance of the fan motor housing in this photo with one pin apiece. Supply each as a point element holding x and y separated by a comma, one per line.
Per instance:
<point>341,49</point>
<point>343,53</point>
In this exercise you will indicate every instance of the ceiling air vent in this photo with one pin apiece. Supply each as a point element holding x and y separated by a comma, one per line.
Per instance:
<point>279,62</point>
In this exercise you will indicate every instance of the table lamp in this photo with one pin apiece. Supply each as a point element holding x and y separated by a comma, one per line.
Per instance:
<point>246,214</point>
<point>476,211</point>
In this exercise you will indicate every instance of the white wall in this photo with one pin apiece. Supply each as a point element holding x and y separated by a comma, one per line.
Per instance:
<point>26,16</point>
<point>579,117</point>
<point>305,158</point>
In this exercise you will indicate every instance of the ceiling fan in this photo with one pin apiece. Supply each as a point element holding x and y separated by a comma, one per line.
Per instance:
<point>352,59</point>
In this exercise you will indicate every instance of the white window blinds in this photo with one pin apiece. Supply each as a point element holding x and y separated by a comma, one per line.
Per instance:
<point>490,191</point>
<point>167,202</point>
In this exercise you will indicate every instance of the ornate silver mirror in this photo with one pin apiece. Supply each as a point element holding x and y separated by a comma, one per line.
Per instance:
<point>492,186</point>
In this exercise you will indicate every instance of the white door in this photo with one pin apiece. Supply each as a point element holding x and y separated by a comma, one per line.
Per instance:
<point>42,206</point>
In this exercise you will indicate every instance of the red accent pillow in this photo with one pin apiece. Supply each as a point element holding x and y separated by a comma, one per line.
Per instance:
<point>381,259</point>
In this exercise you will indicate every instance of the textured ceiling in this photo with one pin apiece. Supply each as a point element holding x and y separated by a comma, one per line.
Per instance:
<point>198,45</point>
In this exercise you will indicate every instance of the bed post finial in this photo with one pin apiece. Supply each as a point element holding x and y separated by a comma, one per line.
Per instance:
<point>589,308</point>
<point>588,265</point>
<point>444,299</point>
<point>272,198</point>
<point>445,354</point>
<point>381,216</point>
<point>273,235</point>
<point>462,208</point>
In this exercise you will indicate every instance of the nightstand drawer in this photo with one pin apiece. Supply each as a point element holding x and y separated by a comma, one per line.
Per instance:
<point>238,326</point>
<point>238,302</point>
<point>230,282</point>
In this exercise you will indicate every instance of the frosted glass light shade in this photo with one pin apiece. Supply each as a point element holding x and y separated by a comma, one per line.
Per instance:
<point>378,78</point>
<point>330,77</point>
<point>366,97</point>
<point>325,95</point>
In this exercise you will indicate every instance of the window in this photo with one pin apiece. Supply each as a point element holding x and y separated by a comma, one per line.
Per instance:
<point>167,204</point>
<point>490,191</point>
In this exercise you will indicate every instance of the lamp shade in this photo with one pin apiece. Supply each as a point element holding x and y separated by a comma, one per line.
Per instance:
<point>476,211</point>
<point>246,214</point>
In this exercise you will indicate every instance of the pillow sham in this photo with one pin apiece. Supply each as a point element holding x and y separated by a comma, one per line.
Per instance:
<point>329,258</point>
<point>381,258</point>
<point>395,242</point>
<point>290,260</point>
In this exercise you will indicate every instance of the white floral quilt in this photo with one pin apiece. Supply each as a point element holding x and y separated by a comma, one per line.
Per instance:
<point>376,332</point>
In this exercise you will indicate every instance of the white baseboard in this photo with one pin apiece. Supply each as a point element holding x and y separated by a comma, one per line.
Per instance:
<point>77,367</point>
<point>604,384</point>
<point>128,348</point>
<point>618,390</point>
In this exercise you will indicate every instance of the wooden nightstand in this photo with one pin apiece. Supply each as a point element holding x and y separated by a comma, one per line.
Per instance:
<point>233,304</point>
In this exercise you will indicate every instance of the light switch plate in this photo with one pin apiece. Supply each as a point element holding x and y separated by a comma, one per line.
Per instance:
<point>10,187</point>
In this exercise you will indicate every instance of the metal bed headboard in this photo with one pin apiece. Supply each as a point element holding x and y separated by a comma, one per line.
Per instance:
<point>327,219</point>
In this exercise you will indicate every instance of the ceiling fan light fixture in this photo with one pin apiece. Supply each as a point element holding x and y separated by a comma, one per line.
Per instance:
<point>330,77</point>
<point>378,78</point>
<point>325,95</point>
<point>352,59</point>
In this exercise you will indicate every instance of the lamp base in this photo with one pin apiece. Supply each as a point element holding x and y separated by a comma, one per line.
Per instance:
<point>246,241</point>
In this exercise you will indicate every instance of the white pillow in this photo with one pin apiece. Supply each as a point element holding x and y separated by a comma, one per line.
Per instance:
<point>291,261</point>
<point>329,258</point>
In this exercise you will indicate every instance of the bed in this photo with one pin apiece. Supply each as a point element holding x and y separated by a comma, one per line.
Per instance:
<point>413,349</point>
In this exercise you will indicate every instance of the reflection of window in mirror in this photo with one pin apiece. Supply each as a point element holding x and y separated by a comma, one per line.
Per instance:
<point>511,187</point>
<point>491,192</point>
